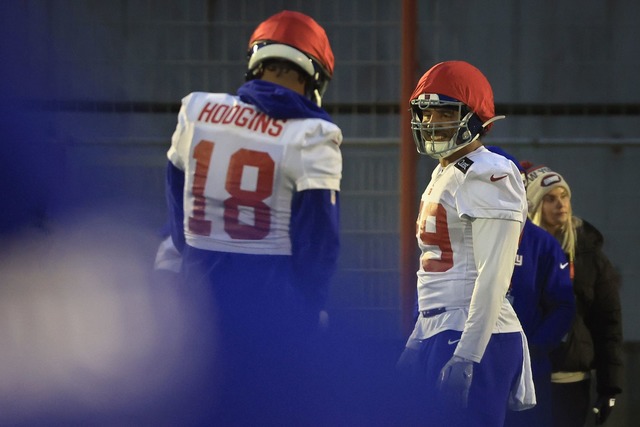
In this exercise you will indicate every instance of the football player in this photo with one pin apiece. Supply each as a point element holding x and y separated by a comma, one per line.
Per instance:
<point>253,184</point>
<point>467,349</point>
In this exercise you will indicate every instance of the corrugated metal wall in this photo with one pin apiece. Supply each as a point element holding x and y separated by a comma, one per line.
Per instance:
<point>109,76</point>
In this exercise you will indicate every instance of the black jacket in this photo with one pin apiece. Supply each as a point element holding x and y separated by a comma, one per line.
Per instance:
<point>595,338</point>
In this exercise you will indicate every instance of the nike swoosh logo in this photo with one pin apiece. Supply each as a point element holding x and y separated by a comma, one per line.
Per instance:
<point>497,178</point>
<point>453,341</point>
<point>563,265</point>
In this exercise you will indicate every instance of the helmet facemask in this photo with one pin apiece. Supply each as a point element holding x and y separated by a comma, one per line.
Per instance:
<point>441,139</point>
<point>317,78</point>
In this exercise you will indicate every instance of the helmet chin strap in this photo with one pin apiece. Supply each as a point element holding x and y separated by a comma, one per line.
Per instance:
<point>450,151</point>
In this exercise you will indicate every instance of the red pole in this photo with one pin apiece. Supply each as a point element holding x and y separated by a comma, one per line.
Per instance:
<point>408,160</point>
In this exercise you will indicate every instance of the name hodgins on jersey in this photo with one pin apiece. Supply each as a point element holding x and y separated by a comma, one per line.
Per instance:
<point>241,116</point>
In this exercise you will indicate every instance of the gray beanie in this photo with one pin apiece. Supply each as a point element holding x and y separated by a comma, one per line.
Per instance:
<point>541,180</point>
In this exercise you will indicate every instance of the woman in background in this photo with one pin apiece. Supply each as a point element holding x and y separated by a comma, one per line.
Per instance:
<point>595,338</point>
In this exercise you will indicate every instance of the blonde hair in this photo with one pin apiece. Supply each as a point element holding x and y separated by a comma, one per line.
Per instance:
<point>567,235</point>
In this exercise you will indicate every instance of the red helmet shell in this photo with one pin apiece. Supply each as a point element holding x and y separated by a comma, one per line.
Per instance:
<point>299,31</point>
<point>462,81</point>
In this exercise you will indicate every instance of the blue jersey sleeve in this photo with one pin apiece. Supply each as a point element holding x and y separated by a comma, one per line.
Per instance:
<point>558,300</point>
<point>174,192</point>
<point>542,289</point>
<point>315,243</point>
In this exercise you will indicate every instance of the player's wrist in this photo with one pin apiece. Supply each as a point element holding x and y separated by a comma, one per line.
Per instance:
<point>457,358</point>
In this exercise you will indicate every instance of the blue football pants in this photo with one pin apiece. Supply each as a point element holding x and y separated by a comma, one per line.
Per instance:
<point>493,379</point>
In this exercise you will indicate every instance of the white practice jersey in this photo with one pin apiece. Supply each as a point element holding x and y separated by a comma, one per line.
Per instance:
<point>242,168</point>
<point>480,186</point>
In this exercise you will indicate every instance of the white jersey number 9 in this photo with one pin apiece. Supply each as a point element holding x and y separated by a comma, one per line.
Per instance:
<point>439,237</point>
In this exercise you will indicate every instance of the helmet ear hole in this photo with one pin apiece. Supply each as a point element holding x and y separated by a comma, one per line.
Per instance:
<point>255,73</point>
<point>470,128</point>
<point>475,126</point>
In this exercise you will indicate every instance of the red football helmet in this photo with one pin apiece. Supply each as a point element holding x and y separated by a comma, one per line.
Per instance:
<point>295,37</point>
<point>455,85</point>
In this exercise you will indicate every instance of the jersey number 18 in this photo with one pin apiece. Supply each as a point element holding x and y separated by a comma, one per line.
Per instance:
<point>238,196</point>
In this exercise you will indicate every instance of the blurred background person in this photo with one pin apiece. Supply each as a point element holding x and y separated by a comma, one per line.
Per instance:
<point>542,296</point>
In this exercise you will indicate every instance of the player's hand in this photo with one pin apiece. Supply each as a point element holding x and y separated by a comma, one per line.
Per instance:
<point>455,381</point>
<point>603,407</point>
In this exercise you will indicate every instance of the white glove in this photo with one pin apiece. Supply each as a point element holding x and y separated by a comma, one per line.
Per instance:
<point>455,381</point>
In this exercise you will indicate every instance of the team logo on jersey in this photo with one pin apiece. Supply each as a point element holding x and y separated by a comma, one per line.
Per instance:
<point>518,260</point>
<point>464,164</point>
